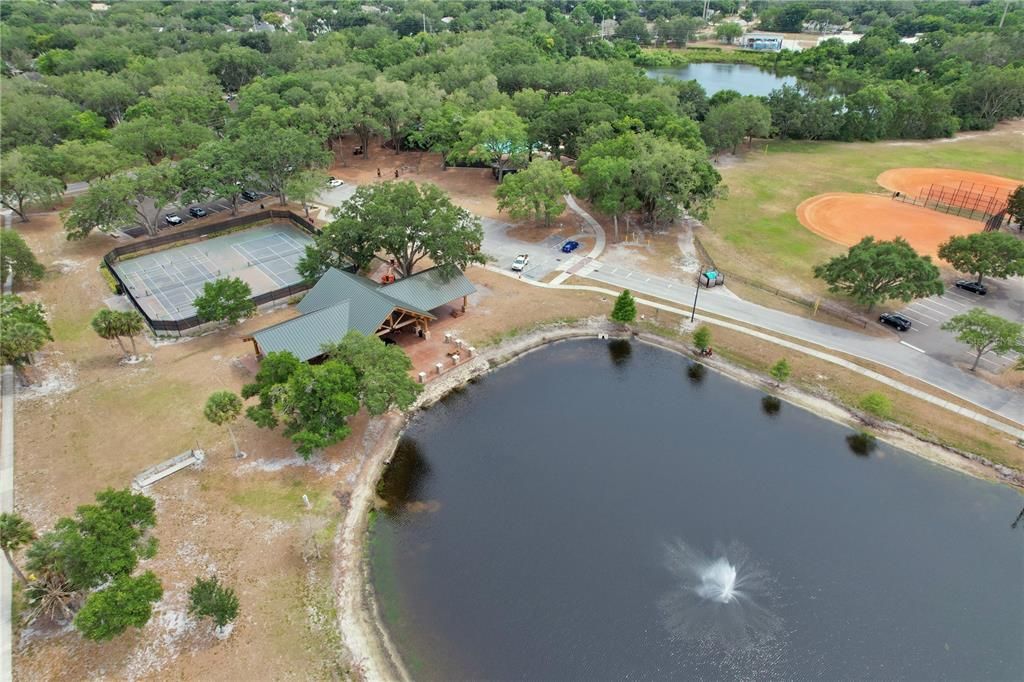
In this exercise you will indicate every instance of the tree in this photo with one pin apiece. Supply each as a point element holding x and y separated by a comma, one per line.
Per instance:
<point>702,338</point>
<point>235,66</point>
<point>17,259</point>
<point>23,330</point>
<point>624,311</point>
<point>1015,206</point>
<point>538,190</point>
<point>222,408</point>
<point>406,221</point>
<point>216,170</point>
<point>115,203</point>
<point>102,542</point>
<point>780,371</point>
<point>382,372</point>
<point>495,136</point>
<point>15,533</point>
<point>995,254</point>
<point>275,153</point>
<point>392,100</point>
<point>984,332</point>
<point>877,405</point>
<point>725,126</point>
<point>159,138</point>
<point>608,182</point>
<point>872,272</point>
<point>228,298</point>
<point>728,31</point>
<point>21,186</point>
<point>313,403</point>
<point>208,598</point>
<point>634,28</point>
<point>130,324</point>
<point>126,602</point>
<point>304,187</point>
<point>106,323</point>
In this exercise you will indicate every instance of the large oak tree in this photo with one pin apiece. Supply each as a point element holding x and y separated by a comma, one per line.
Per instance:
<point>875,271</point>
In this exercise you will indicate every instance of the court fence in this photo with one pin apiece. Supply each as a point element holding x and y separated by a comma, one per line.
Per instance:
<point>194,234</point>
<point>973,201</point>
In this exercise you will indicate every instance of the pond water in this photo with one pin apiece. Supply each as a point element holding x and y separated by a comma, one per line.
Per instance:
<point>606,510</point>
<point>743,78</point>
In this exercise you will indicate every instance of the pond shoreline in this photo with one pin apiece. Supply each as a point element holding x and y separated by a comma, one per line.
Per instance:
<point>373,653</point>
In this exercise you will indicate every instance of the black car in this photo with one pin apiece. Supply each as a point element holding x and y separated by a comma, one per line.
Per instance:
<point>895,320</point>
<point>173,219</point>
<point>972,286</point>
<point>198,212</point>
<point>249,195</point>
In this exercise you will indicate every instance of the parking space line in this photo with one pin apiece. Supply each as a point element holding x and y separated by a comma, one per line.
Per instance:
<point>918,312</point>
<point>914,319</point>
<point>929,308</point>
<point>942,305</point>
<point>919,350</point>
<point>959,296</point>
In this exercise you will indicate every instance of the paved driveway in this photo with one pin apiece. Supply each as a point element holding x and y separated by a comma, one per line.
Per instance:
<point>545,256</point>
<point>1005,298</point>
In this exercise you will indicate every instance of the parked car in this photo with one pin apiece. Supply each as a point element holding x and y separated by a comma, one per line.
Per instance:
<point>895,320</point>
<point>972,286</point>
<point>570,246</point>
<point>249,195</point>
<point>519,264</point>
<point>173,219</point>
<point>198,212</point>
<point>335,182</point>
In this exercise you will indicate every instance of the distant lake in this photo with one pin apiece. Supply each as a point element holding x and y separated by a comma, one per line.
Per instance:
<point>605,510</point>
<point>743,78</point>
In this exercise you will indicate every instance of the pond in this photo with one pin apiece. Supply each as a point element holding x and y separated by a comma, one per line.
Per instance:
<point>743,78</point>
<point>608,510</point>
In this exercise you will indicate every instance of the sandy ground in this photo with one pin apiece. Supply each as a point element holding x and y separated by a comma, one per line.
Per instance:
<point>846,218</point>
<point>913,180</point>
<point>88,422</point>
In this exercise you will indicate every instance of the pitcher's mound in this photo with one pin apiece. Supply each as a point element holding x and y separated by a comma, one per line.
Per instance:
<point>847,218</point>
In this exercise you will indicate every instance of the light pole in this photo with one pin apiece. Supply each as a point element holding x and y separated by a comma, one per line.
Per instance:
<point>693,313</point>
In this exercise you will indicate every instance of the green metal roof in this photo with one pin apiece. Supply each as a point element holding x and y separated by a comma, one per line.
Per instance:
<point>366,297</point>
<point>342,301</point>
<point>430,289</point>
<point>304,336</point>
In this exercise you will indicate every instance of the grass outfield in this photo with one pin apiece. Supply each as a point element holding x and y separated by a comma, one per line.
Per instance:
<point>754,230</point>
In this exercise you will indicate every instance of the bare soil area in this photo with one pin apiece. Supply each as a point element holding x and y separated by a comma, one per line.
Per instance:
<point>88,422</point>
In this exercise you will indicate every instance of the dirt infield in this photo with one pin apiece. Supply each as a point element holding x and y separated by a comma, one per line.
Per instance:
<point>847,218</point>
<point>912,180</point>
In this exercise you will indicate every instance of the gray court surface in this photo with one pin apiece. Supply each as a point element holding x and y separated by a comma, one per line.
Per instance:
<point>166,283</point>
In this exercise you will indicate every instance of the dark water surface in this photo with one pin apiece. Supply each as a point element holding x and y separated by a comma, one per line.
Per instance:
<point>577,515</point>
<point>743,78</point>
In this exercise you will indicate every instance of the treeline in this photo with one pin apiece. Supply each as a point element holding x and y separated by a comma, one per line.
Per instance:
<point>246,87</point>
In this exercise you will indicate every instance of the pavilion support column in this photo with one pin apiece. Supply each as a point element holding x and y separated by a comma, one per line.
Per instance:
<point>465,301</point>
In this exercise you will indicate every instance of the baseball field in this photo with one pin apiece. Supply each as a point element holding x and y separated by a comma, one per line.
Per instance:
<point>843,192</point>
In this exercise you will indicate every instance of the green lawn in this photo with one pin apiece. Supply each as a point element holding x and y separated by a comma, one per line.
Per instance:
<point>754,230</point>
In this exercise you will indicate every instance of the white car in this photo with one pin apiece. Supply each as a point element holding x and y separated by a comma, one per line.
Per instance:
<point>520,263</point>
<point>335,182</point>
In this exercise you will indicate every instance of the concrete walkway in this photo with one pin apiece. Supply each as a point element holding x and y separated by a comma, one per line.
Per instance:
<point>888,352</point>
<point>6,496</point>
<point>1016,432</point>
<point>582,264</point>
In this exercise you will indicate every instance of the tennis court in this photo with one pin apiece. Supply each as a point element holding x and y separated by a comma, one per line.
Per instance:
<point>166,283</point>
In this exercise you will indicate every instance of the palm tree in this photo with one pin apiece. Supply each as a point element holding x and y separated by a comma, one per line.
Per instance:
<point>129,324</point>
<point>106,323</point>
<point>15,532</point>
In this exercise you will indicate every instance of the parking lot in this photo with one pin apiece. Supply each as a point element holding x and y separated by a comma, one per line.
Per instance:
<point>211,207</point>
<point>545,256</point>
<point>1005,298</point>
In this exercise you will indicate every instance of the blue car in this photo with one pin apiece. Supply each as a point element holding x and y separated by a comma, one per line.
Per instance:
<point>570,246</point>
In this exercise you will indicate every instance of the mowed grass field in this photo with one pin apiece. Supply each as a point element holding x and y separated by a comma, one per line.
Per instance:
<point>755,231</point>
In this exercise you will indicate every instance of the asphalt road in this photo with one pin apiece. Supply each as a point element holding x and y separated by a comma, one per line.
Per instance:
<point>886,351</point>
